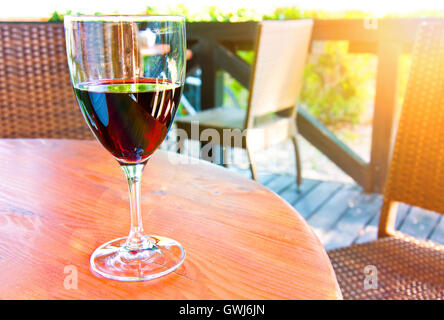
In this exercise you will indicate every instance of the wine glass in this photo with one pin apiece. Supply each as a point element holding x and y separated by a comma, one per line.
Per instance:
<point>128,74</point>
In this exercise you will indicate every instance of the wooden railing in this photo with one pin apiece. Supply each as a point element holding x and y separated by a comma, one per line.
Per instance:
<point>215,44</point>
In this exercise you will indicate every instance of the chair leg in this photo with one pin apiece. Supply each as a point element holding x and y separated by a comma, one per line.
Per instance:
<point>224,151</point>
<point>219,155</point>
<point>252,165</point>
<point>180,144</point>
<point>215,153</point>
<point>298,161</point>
<point>208,148</point>
<point>387,220</point>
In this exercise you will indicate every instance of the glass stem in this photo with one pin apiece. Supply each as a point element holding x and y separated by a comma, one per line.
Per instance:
<point>136,238</point>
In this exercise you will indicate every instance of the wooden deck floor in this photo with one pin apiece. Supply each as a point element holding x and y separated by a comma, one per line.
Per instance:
<point>341,214</point>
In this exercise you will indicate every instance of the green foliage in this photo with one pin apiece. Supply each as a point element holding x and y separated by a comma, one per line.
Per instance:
<point>56,17</point>
<point>209,13</point>
<point>337,86</point>
<point>285,13</point>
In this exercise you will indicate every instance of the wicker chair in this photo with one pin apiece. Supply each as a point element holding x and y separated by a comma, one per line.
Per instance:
<point>281,52</point>
<point>36,97</point>
<point>408,268</point>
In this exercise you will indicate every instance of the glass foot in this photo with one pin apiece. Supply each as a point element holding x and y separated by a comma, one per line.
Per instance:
<point>160,257</point>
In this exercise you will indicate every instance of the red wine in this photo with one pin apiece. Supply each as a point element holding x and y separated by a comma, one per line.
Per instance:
<point>130,118</point>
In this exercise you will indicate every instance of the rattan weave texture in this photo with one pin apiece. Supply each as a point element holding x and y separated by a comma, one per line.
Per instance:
<point>417,169</point>
<point>407,268</point>
<point>36,97</point>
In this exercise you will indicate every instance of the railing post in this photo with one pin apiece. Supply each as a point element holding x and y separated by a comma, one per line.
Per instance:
<point>211,92</point>
<point>219,88</point>
<point>384,117</point>
<point>212,80</point>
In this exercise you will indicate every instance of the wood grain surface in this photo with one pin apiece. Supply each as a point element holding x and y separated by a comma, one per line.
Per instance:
<point>61,199</point>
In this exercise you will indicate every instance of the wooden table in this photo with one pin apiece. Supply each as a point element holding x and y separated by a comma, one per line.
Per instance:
<point>61,199</point>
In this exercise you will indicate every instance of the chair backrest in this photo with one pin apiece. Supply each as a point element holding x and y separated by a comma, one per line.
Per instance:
<point>36,97</point>
<point>416,175</point>
<point>281,54</point>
